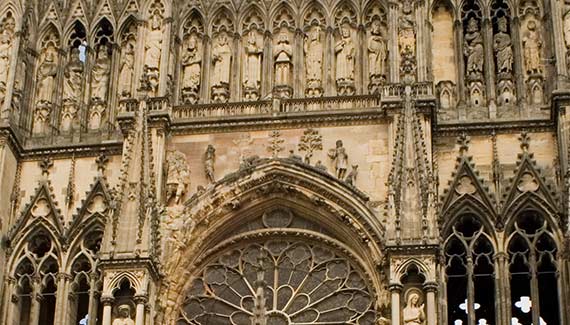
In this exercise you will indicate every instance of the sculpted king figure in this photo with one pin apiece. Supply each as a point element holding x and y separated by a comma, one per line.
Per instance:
<point>222,59</point>
<point>73,73</point>
<point>313,49</point>
<point>127,68</point>
<point>5,49</point>
<point>46,75</point>
<point>474,49</point>
<point>377,52</point>
<point>101,74</point>
<point>502,45</point>
<point>191,62</point>
<point>345,53</point>
<point>532,45</point>
<point>283,53</point>
<point>252,64</point>
<point>154,43</point>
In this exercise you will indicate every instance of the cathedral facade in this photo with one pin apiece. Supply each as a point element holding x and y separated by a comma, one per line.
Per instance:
<point>272,162</point>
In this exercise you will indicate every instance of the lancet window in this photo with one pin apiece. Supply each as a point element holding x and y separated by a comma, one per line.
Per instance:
<point>470,273</point>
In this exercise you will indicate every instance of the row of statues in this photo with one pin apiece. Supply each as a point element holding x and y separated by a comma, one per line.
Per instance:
<point>222,60</point>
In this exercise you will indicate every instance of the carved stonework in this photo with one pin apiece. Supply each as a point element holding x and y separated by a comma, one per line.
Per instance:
<point>340,159</point>
<point>178,177</point>
<point>283,55</point>
<point>314,51</point>
<point>192,70</point>
<point>6,44</point>
<point>209,163</point>
<point>407,42</point>
<point>222,63</point>
<point>252,66</point>
<point>153,46</point>
<point>345,52</point>
<point>123,316</point>
<point>377,55</point>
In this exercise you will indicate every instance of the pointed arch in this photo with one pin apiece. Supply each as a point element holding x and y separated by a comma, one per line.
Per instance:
<point>126,26</point>
<point>283,15</point>
<point>75,34</point>
<point>314,12</point>
<point>49,33</point>
<point>252,17</point>
<point>104,10</point>
<point>448,5</point>
<point>193,22</point>
<point>103,33</point>
<point>222,19</point>
<point>77,11</point>
<point>345,11</point>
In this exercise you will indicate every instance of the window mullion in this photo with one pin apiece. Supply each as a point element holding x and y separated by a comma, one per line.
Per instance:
<point>470,292</point>
<point>534,293</point>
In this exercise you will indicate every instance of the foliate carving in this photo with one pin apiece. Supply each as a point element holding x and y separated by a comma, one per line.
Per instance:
<point>345,52</point>
<point>123,316</point>
<point>283,55</point>
<point>407,42</point>
<point>311,141</point>
<point>222,63</point>
<point>340,159</point>
<point>314,55</point>
<point>153,47</point>
<point>209,163</point>
<point>192,69</point>
<point>253,50</point>
<point>275,144</point>
<point>178,176</point>
<point>6,43</point>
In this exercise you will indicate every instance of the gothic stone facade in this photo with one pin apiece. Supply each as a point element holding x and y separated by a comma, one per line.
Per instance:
<point>284,162</point>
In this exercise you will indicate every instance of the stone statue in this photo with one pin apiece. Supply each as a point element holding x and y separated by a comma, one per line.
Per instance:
<point>209,161</point>
<point>474,50</point>
<point>314,50</point>
<point>502,45</point>
<point>221,57</point>
<point>177,177</point>
<point>154,42</point>
<point>5,52</point>
<point>124,316</point>
<point>340,158</point>
<point>101,75</point>
<point>532,46</point>
<point>345,55</point>
<point>47,72</point>
<point>567,29</point>
<point>283,54</point>
<point>192,64</point>
<point>73,77</point>
<point>351,177</point>
<point>377,51</point>
<point>413,312</point>
<point>126,71</point>
<point>252,64</point>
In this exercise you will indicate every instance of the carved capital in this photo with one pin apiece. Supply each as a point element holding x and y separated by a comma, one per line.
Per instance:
<point>431,286</point>
<point>395,287</point>
<point>107,300</point>
<point>141,299</point>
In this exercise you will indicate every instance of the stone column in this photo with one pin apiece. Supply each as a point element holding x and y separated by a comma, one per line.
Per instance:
<point>62,301</point>
<point>393,52</point>
<point>35,302</point>
<point>140,300</point>
<point>107,309</point>
<point>431,288</point>
<point>93,305</point>
<point>9,309</point>
<point>395,290</point>
<point>487,32</point>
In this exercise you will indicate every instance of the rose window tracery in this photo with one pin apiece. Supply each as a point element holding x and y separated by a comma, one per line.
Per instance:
<point>279,282</point>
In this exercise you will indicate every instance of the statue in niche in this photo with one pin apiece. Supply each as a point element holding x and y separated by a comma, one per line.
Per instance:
<point>345,54</point>
<point>126,71</point>
<point>414,312</point>
<point>154,42</point>
<point>407,20</point>
<point>101,75</point>
<point>221,58</point>
<point>283,54</point>
<point>192,65</point>
<point>474,50</point>
<point>73,76</point>
<point>532,46</point>
<point>123,316</point>
<point>314,50</point>
<point>209,162</point>
<point>252,64</point>
<point>340,158</point>
<point>5,52</point>
<point>47,72</point>
<point>377,52</point>
<point>178,176</point>
<point>502,46</point>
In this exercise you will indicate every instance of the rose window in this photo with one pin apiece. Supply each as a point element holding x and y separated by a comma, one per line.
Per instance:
<point>279,283</point>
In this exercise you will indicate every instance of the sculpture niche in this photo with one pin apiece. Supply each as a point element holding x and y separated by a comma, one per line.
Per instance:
<point>222,62</point>
<point>283,54</point>
<point>252,68</point>
<point>314,50</point>
<point>192,71</point>
<point>345,51</point>
<point>71,91</point>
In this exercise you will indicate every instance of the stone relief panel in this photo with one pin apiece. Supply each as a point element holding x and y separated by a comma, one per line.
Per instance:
<point>222,57</point>
<point>153,46</point>
<point>407,41</point>
<point>533,47</point>
<point>314,50</point>
<point>191,55</point>
<point>377,47</point>
<point>332,150</point>
<point>474,58</point>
